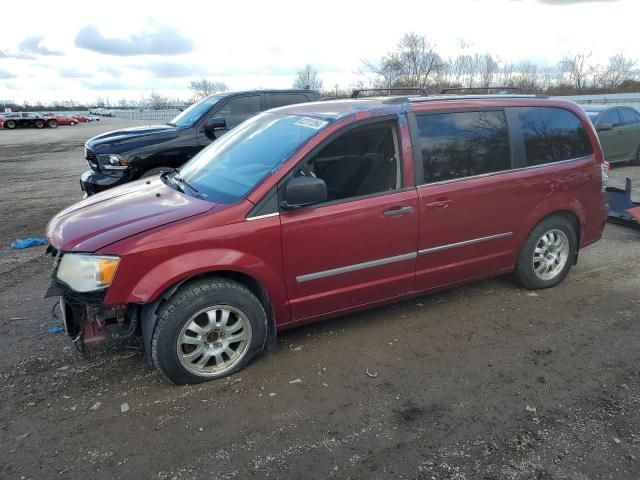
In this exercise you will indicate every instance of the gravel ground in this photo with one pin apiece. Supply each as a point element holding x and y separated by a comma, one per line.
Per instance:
<point>486,381</point>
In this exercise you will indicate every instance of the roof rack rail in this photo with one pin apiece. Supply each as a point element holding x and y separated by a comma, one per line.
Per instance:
<point>444,98</point>
<point>421,91</point>
<point>476,90</point>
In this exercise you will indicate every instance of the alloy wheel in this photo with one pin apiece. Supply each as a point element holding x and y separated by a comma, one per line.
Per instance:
<point>550,254</point>
<point>214,340</point>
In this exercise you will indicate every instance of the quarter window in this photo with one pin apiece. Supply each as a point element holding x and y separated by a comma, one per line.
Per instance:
<point>552,135</point>
<point>463,144</point>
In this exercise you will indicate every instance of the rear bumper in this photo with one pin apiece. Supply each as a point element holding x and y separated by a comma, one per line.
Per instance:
<point>93,182</point>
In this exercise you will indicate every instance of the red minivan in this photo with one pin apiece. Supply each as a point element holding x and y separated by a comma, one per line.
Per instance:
<point>315,210</point>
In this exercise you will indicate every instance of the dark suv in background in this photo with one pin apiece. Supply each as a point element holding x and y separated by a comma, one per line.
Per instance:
<point>120,156</point>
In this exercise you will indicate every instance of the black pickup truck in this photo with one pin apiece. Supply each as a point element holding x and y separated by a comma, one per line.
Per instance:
<point>121,156</point>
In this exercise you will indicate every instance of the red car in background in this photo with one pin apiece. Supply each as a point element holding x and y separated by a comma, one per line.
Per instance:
<point>62,119</point>
<point>82,118</point>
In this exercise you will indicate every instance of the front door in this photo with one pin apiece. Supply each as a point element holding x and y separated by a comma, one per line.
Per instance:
<point>234,111</point>
<point>359,247</point>
<point>612,141</point>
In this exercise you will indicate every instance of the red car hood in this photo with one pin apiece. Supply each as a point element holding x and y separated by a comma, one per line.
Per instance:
<point>121,212</point>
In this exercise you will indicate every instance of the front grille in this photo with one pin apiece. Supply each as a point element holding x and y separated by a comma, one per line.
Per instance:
<point>91,158</point>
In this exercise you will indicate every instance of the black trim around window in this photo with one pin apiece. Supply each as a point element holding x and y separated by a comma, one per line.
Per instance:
<point>392,118</point>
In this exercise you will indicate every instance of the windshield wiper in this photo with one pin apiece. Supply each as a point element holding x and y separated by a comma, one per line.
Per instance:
<point>171,124</point>
<point>177,178</point>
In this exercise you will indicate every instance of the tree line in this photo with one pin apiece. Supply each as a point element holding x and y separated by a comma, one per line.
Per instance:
<point>415,62</point>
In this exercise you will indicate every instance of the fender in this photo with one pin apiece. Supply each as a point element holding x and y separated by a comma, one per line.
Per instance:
<point>192,264</point>
<point>556,203</point>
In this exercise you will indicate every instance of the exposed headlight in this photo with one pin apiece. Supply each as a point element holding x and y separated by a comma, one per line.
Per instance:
<point>113,162</point>
<point>86,273</point>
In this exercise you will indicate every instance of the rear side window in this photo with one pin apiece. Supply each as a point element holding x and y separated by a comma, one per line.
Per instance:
<point>275,100</point>
<point>628,116</point>
<point>463,144</point>
<point>611,117</point>
<point>238,109</point>
<point>552,135</point>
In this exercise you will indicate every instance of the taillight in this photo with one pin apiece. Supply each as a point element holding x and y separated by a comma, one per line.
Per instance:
<point>604,172</point>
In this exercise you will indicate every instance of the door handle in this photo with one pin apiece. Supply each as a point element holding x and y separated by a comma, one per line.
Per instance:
<point>438,204</point>
<point>397,211</point>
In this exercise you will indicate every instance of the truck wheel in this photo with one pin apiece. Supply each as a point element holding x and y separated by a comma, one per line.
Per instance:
<point>155,171</point>
<point>548,254</point>
<point>52,124</point>
<point>39,124</point>
<point>208,329</point>
<point>11,124</point>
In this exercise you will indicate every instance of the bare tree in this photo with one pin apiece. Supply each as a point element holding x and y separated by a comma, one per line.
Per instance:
<point>488,68</point>
<point>157,101</point>
<point>203,88</point>
<point>617,71</point>
<point>575,70</point>
<point>412,63</point>
<point>308,78</point>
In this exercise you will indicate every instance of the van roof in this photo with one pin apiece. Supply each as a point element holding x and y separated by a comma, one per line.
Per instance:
<point>336,109</point>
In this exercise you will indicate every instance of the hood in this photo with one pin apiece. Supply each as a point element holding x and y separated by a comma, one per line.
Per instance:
<point>131,135</point>
<point>121,212</point>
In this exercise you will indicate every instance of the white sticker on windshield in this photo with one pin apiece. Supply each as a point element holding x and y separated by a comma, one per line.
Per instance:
<point>311,123</point>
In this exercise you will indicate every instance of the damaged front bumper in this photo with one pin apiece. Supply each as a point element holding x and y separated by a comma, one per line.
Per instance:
<point>90,323</point>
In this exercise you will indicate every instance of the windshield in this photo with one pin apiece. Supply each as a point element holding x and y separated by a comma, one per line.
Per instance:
<point>232,166</point>
<point>593,115</point>
<point>191,115</point>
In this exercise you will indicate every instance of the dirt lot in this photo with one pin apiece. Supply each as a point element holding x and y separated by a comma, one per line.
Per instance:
<point>488,381</point>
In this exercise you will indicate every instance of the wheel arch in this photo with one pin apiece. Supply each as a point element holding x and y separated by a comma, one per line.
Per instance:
<point>150,310</point>
<point>571,211</point>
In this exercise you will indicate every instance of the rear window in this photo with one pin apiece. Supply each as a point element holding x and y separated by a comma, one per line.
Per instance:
<point>552,135</point>
<point>628,116</point>
<point>463,144</point>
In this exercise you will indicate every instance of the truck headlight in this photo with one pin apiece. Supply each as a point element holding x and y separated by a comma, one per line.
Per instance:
<point>86,273</point>
<point>113,162</point>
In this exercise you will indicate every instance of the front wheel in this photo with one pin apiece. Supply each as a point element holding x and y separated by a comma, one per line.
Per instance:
<point>39,124</point>
<point>11,124</point>
<point>636,161</point>
<point>548,254</point>
<point>208,329</point>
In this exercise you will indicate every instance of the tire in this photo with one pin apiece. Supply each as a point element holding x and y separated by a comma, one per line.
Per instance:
<point>52,124</point>
<point>155,171</point>
<point>636,161</point>
<point>548,254</point>
<point>39,124</point>
<point>193,328</point>
<point>72,123</point>
<point>11,124</point>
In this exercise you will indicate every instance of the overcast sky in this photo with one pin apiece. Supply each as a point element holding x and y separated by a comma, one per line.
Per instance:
<point>124,49</point>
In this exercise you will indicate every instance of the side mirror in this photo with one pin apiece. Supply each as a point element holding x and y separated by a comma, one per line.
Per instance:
<point>215,123</point>
<point>302,191</point>
<point>604,127</point>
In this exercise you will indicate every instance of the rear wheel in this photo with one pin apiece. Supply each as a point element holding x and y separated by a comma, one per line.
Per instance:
<point>155,171</point>
<point>52,124</point>
<point>548,254</point>
<point>39,124</point>
<point>208,329</point>
<point>11,124</point>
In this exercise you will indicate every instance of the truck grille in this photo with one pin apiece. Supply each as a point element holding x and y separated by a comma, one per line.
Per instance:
<point>91,158</point>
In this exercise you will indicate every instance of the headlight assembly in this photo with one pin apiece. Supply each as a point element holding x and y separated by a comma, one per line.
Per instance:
<point>113,162</point>
<point>87,273</point>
